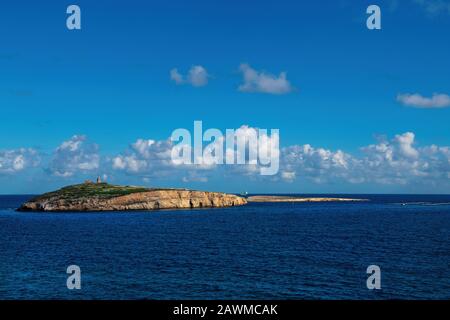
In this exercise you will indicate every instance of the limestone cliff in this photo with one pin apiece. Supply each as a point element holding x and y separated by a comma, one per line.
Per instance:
<point>106,197</point>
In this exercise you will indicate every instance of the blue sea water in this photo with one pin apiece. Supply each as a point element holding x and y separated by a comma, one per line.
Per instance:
<point>259,251</point>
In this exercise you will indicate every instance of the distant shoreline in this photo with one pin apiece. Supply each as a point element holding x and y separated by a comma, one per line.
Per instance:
<point>300,199</point>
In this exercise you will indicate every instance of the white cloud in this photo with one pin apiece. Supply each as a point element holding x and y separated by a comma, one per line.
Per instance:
<point>418,101</point>
<point>75,156</point>
<point>266,149</point>
<point>405,144</point>
<point>288,176</point>
<point>13,161</point>
<point>316,164</point>
<point>147,157</point>
<point>150,158</point>
<point>397,161</point>
<point>193,177</point>
<point>197,76</point>
<point>176,76</point>
<point>262,82</point>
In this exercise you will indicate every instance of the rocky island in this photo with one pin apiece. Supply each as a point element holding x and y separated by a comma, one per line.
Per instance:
<point>100,196</point>
<point>106,197</point>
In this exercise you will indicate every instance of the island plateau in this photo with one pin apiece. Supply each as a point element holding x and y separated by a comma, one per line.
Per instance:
<point>107,197</point>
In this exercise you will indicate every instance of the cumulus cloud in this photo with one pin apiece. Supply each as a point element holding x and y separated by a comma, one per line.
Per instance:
<point>259,149</point>
<point>197,76</point>
<point>405,144</point>
<point>73,156</point>
<point>151,158</point>
<point>260,81</point>
<point>288,176</point>
<point>418,101</point>
<point>13,161</point>
<point>396,161</point>
<point>316,164</point>
<point>176,76</point>
<point>147,157</point>
<point>400,161</point>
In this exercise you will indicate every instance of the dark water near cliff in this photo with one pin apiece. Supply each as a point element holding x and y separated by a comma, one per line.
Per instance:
<point>260,251</point>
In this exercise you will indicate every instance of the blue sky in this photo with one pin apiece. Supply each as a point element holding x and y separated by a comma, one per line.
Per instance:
<point>109,82</point>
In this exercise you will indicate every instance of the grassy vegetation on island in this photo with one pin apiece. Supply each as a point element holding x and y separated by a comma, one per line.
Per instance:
<point>94,190</point>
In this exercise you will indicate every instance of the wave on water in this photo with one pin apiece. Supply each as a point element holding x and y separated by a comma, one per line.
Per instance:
<point>423,203</point>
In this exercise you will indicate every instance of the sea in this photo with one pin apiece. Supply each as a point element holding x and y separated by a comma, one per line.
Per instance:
<point>257,251</point>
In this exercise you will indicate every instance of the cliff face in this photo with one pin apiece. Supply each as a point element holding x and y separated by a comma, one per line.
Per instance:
<point>150,199</point>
